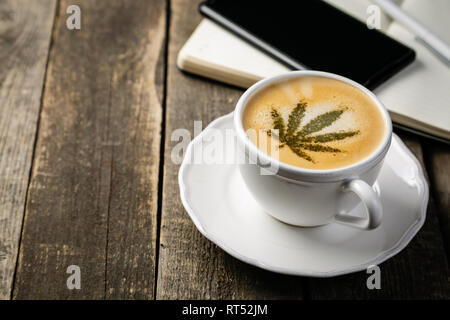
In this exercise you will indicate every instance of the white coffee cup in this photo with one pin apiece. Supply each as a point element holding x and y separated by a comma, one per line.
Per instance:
<point>305,197</point>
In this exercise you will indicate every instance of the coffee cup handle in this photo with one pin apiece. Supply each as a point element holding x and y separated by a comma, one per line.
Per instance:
<point>370,200</point>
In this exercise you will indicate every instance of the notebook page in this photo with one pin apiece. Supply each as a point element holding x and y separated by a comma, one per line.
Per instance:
<point>422,89</point>
<point>216,53</point>
<point>434,14</point>
<point>358,9</point>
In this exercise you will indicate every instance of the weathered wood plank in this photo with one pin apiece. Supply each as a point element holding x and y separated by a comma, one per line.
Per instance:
<point>420,271</point>
<point>92,199</point>
<point>25,32</point>
<point>437,157</point>
<point>191,267</point>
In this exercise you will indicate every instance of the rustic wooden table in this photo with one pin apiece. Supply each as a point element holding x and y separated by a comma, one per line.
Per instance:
<point>86,176</point>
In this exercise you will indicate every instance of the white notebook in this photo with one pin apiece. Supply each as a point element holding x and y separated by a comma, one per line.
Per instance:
<point>418,97</point>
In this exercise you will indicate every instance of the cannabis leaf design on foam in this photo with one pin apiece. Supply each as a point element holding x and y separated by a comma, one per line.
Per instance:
<point>299,139</point>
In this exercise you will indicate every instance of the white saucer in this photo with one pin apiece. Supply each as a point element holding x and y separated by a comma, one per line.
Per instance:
<point>223,210</point>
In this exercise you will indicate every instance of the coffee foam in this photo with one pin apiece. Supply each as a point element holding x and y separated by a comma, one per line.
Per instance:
<point>321,95</point>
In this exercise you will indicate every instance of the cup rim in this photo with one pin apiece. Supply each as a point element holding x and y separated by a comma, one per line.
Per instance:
<point>298,173</point>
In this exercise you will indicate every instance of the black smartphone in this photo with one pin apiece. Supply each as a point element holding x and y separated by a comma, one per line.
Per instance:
<point>312,34</point>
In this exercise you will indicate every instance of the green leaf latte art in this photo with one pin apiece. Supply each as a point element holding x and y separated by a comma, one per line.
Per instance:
<point>300,139</point>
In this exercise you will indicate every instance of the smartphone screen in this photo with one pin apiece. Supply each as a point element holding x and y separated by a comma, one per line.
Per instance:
<point>311,34</point>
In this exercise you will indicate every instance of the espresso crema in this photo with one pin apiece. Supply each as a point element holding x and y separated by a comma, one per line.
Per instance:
<point>314,123</point>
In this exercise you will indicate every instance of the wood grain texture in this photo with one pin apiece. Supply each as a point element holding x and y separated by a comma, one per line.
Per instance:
<point>420,271</point>
<point>437,157</point>
<point>25,32</point>
<point>190,266</point>
<point>92,199</point>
